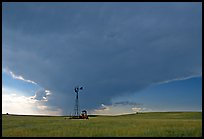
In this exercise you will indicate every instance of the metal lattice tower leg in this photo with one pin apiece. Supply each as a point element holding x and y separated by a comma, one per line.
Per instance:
<point>76,108</point>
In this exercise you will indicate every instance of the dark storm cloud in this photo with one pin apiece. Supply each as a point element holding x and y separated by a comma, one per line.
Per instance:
<point>109,48</point>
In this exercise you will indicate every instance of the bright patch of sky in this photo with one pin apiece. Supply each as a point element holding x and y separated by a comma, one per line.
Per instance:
<point>179,95</point>
<point>25,88</point>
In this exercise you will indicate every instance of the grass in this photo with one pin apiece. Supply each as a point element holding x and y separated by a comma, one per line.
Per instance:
<point>152,124</point>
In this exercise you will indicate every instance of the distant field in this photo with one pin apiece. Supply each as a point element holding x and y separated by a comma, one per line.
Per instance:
<point>153,124</point>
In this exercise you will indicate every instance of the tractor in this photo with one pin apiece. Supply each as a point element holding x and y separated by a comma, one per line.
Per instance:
<point>83,115</point>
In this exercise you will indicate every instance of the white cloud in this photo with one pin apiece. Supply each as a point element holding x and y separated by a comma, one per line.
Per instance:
<point>18,77</point>
<point>103,108</point>
<point>41,95</point>
<point>135,109</point>
<point>178,79</point>
<point>17,104</point>
<point>47,92</point>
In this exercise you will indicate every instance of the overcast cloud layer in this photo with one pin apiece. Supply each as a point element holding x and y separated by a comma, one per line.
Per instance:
<point>109,48</point>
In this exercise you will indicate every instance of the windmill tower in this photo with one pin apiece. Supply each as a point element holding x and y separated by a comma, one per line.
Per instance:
<point>76,107</point>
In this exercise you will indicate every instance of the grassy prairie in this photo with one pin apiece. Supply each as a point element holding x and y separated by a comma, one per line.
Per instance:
<point>152,124</point>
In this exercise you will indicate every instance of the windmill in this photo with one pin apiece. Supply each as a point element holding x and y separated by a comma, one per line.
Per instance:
<point>76,115</point>
<point>76,108</point>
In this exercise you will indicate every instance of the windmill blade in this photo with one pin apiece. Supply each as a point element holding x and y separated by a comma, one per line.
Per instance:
<point>76,89</point>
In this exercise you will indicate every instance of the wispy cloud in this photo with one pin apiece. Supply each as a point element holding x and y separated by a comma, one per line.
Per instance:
<point>103,108</point>
<point>127,103</point>
<point>179,79</point>
<point>18,77</point>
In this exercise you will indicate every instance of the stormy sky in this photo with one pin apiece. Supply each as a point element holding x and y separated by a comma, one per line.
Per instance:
<point>111,49</point>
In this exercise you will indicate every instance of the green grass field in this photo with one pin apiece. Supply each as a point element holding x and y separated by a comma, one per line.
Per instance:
<point>152,124</point>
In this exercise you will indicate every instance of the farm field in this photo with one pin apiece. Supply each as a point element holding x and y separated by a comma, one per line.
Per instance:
<point>151,124</point>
